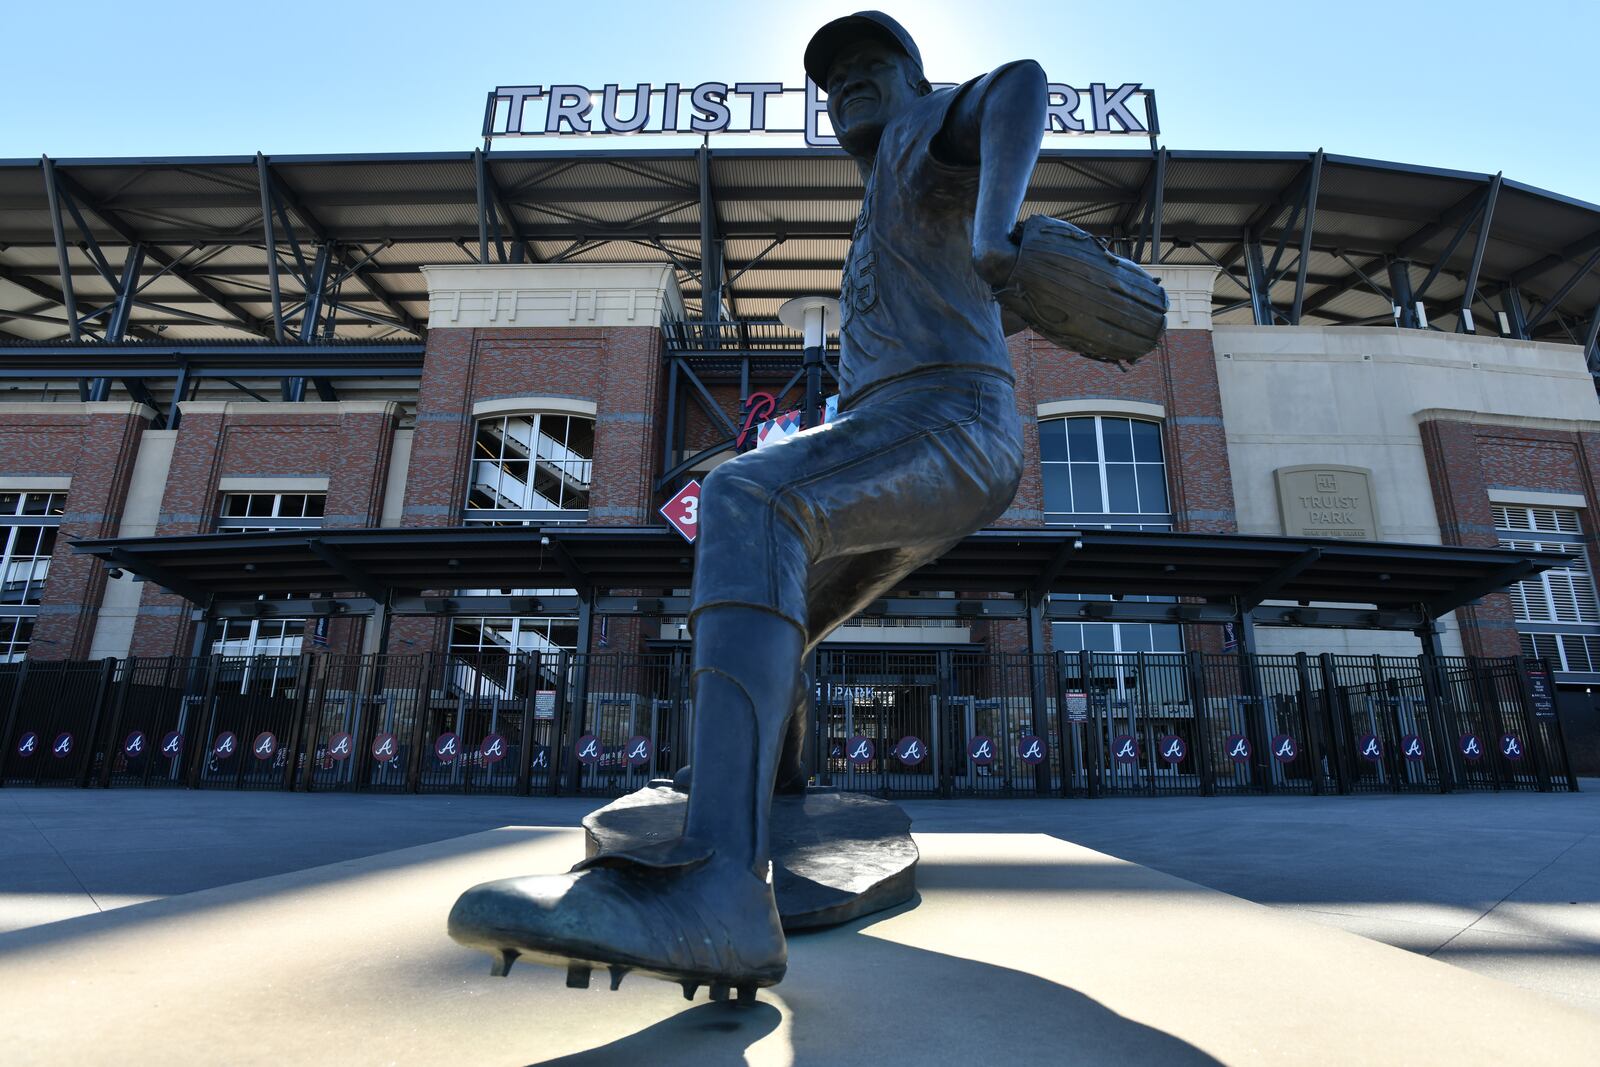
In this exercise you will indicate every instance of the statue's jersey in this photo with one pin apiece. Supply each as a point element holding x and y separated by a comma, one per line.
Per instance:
<point>911,301</point>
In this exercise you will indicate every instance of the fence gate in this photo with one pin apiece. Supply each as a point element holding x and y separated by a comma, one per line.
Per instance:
<point>626,720</point>
<point>145,744</point>
<point>53,717</point>
<point>249,713</point>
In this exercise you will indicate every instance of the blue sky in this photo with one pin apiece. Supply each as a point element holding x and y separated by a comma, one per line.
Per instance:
<point>1464,85</point>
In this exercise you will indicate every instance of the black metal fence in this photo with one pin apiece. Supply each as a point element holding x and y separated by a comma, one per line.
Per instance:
<point>905,723</point>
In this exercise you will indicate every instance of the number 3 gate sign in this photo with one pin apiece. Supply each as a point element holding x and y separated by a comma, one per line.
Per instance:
<point>682,512</point>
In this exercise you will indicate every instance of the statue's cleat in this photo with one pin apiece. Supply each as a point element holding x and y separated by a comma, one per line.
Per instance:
<point>616,977</point>
<point>500,963</point>
<point>690,989</point>
<point>747,994</point>
<point>673,911</point>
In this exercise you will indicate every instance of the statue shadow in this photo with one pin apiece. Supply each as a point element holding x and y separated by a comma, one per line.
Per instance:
<point>853,998</point>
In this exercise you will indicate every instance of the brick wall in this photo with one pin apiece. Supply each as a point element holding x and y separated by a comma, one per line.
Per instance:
<point>1465,460</point>
<point>94,445</point>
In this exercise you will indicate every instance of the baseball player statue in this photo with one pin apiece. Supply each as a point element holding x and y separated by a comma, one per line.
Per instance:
<point>798,537</point>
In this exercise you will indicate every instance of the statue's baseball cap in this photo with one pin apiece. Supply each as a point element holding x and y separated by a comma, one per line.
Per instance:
<point>826,42</point>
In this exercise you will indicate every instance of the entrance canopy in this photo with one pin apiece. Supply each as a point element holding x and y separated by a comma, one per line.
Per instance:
<point>619,570</point>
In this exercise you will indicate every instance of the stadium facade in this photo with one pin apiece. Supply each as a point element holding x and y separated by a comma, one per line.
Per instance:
<point>436,403</point>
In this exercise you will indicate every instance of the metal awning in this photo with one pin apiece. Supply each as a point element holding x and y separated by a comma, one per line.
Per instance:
<point>420,571</point>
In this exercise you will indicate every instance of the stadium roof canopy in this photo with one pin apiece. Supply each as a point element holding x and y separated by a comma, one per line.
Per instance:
<point>1314,233</point>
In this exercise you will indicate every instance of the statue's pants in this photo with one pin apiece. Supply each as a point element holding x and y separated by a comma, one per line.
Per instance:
<point>815,528</point>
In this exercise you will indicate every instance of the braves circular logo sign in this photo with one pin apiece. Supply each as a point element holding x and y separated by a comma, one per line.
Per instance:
<point>1031,748</point>
<point>1173,749</point>
<point>638,750</point>
<point>446,747</point>
<point>1125,748</point>
<point>226,745</point>
<point>910,750</point>
<point>133,744</point>
<point>1471,747</point>
<point>385,747</point>
<point>981,750</point>
<point>1511,746</point>
<point>28,744</point>
<point>587,749</point>
<point>172,744</point>
<point>62,748</point>
<point>860,750</point>
<point>493,749</point>
<point>265,745</point>
<point>1238,747</point>
<point>340,746</point>
<point>1285,748</point>
<point>1368,748</point>
<point>1412,748</point>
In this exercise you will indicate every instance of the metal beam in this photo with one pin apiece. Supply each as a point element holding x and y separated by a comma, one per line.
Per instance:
<point>359,578</point>
<point>1307,225</point>
<point>52,191</point>
<point>1269,586</point>
<point>1494,583</point>
<point>1561,293</point>
<point>1469,292</point>
<point>271,240</point>
<point>155,572</point>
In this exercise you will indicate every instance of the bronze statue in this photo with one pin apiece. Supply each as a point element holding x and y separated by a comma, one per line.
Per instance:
<point>799,537</point>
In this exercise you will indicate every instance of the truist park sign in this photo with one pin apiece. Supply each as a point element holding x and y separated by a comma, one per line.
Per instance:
<point>764,107</point>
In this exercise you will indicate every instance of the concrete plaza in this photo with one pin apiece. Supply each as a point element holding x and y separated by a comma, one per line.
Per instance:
<point>1507,886</point>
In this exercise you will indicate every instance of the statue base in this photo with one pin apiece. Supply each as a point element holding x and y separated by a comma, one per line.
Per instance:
<point>835,856</point>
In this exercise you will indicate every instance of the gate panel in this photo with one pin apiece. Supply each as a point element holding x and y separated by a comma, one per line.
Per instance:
<point>249,724</point>
<point>627,721</point>
<point>54,712</point>
<point>146,742</point>
<point>878,714</point>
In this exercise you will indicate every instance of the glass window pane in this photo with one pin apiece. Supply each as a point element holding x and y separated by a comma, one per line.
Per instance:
<point>258,504</point>
<point>1057,487</point>
<point>1086,488</point>
<point>1081,442</point>
<point>1067,636</point>
<point>1119,440</point>
<point>1100,636</point>
<point>9,502</point>
<point>1052,440</point>
<point>36,503</point>
<point>1152,487</point>
<point>315,505</point>
<point>1147,442</point>
<point>1167,638</point>
<point>1120,485</point>
<point>1135,637</point>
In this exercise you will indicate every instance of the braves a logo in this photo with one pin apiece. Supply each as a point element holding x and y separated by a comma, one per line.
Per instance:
<point>134,745</point>
<point>1284,749</point>
<point>385,747</point>
<point>62,746</point>
<point>1031,748</point>
<point>226,745</point>
<point>861,750</point>
<point>981,750</point>
<point>910,751</point>
<point>588,749</point>
<point>637,751</point>
<point>1369,748</point>
<point>1511,746</point>
<point>28,745</point>
<point>1238,747</point>
<point>1471,747</point>
<point>493,749</point>
<point>266,745</point>
<point>541,759</point>
<point>1124,749</point>
<point>172,744</point>
<point>1411,747</point>
<point>339,746</point>
<point>1173,749</point>
<point>447,747</point>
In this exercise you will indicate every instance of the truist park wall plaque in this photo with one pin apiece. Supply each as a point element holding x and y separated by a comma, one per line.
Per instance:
<point>1327,500</point>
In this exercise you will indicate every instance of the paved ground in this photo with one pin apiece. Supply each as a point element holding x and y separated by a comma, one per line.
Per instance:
<point>1504,884</point>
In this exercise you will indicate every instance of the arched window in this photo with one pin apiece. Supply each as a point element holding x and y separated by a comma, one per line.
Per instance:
<point>530,469</point>
<point>1107,471</point>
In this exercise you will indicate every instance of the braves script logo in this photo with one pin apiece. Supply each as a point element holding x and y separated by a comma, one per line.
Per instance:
<point>981,750</point>
<point>1471,747</point>
<point>62,747</point>
<point>29,744</point>
<point>1411,747</point>
<point>1511,746</point>
<point>861,750</point>
<point>1172,749</point>
<point>1125,748</point>
<point>910,751</point>
<point>172,744</point>
<point>133,745</point>
<point>266,745</point>
<point>340,747</point>
<point>541,758</point>
<point>1238,747</point>
<point>1031,748</point>
<point>758,407</point>
<point>227,744</point>
<point>493,749</point>
<point>1284,749</point>
<point>638,750</point>
<point>447,747</point>
<point>588,749</point>
<point>1367,745</point>
<point>385,747</point>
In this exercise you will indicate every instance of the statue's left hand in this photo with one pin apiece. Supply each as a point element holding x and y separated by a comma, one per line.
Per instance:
<point>994,256</point>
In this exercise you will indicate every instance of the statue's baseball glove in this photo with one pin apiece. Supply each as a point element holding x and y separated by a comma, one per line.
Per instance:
<point>1076,293</point>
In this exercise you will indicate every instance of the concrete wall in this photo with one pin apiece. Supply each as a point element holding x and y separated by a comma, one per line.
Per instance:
<point>1353,395</point>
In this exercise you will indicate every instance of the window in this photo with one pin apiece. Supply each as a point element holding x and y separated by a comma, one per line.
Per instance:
<point>530,468</point>
<point>1108,472</point>
<point>1557,614</point>
<point>243,513</point>
<point>527,470</point>
<point>29,522</point>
